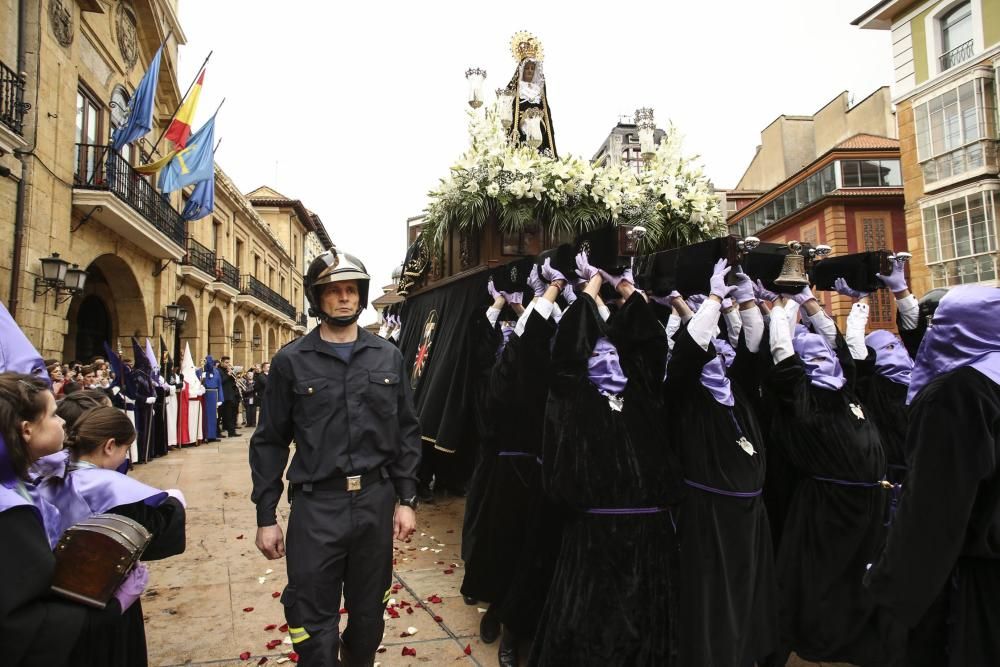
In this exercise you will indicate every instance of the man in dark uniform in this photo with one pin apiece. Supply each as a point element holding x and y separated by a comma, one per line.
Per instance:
<point>259,385</point>
<point>341,393</point>
<point>232,397</point>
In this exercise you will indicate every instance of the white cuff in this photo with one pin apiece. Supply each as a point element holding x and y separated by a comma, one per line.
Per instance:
<point>753,327</point>
<point>857,323</point>
<point>544,307</point>
<point>780,338</point>
<point>705,323</point>
<point>673,326</point>
<point>523,320</point>
<point>604,312</point>
<point>909,312</point>
<point>824,325</point>
<point>733,325</point>
<point>493,314</point>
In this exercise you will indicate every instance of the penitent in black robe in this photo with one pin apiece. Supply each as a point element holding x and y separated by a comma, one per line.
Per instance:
<point>834,529</point>
<point>885,404</point>
<point>38,629</point>
<point>611,598</point>
<point>940,572</point>
<point>485,338</point>
<point>123,643</point>
<point>727,591</point>
<point>516,404</point>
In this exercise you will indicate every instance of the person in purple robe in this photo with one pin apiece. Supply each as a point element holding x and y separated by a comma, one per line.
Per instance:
<point>939,575</point>
<point>211,377</point>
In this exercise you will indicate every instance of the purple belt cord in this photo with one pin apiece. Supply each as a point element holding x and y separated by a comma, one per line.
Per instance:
<point>845,482</point>
<point>723,492</point>
<point>615,511</point>
<point>537,458</point>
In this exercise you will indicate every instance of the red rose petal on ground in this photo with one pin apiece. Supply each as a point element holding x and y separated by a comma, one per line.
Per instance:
<point>392,612</point>
<point>269,627</point>
<point>449,531</point>
<point>409,651</point>
<point>468,649</point>
<point>435,599</point>
<point>245,655</point>
<point>438,619</point>
<point>239,537</point>
<point>276,594</point>
<point>418,606</point>
<point>449,571</point>
<point>262,660</point>
<point>293,656</point>
<point>380,649</point>
<point>271,644</point>
<point>439,562</point>
<point>283,627</point>
<point>248,609</point>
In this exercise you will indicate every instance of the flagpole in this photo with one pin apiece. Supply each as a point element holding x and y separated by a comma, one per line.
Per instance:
<point>217,109</point>
<point>181,103</point>
<point>217,144</point>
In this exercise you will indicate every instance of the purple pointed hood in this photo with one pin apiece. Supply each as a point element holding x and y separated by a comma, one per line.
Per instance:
<point>821,362</point>
<point>604,368</point>
<point>964,332</point>
<point>153,363</point>
<point>16,351</point>
<point>892,361</point>
<point>713,374</point>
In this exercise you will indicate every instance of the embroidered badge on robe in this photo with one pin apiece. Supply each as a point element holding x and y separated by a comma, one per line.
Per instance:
<point>858,412</point>
<point>746,445</point>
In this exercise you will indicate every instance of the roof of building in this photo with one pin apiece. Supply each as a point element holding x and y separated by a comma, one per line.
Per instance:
<point>267,196</point>
<point>867,142</point>
<point>865,192</point>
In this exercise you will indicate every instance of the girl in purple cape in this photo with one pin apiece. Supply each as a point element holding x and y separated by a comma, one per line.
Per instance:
<point>37,628</point>
<point>940,572</point>
<point>89,483</point>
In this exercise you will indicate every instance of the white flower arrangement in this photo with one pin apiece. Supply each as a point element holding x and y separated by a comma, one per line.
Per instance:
<point>672,198</point>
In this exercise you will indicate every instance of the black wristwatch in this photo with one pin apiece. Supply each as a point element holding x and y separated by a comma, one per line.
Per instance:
<point>410,502</point>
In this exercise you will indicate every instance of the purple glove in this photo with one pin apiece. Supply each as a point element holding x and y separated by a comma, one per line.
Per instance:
<point>583,267</point>
<point>491,288</point>
<point>615,280</point>
<point>717,282</point>
<point>569,294</point>
<point>727,303</point>
<point>744,287</point>
<point>694,301</point>
<point>535,283</point>
<point>895,281</point>
<point>549,274</point>
<point>513,297</point>
<point>803,296</point>
<point>132,587</point>
<point>840,286</point>
<point>763,293</point>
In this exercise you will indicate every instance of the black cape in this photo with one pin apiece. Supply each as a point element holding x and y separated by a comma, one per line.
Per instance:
<point>727,589</point>
<point>611,597</point>
<point>885,402</point>
<point>832,531</point>
<point>940,572</point>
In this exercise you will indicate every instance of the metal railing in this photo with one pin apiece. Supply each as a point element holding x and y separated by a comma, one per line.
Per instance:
<point>12,104</point>
<point>100,168</point>
<point>302,320</point>
<point>957,55</point>
<point>229,274</point>
<point>255,288</point>
<point>200,257</point>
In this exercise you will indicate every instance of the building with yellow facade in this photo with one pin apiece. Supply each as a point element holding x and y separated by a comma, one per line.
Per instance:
<point>229,284</point>
<point>947,62</point>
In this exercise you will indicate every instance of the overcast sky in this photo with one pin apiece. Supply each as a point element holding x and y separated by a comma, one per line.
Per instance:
<point>359,108</point>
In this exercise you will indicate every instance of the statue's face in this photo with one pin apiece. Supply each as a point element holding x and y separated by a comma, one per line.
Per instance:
<point>528,73</point>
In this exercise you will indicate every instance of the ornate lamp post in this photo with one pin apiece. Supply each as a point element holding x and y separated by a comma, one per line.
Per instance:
<point>476,77</point>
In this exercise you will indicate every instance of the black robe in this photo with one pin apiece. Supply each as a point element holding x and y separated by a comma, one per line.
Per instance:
<point>940,572</point>
<point>159,437</point>
<point>611,597</point>
<point>885,404</point>
<point>727,591</point>
<point>832,531</point>
<point>38,629</point>
<point>123,644</point>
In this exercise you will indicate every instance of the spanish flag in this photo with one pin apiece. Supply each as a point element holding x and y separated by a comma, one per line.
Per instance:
<point>180,128</point>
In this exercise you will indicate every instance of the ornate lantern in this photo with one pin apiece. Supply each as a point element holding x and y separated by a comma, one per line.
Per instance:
<point>647,132</point>
<point>505,107</point>
<point>476,77</point>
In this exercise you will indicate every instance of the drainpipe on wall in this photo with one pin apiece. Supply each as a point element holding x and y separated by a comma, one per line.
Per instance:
<point>23,155</point>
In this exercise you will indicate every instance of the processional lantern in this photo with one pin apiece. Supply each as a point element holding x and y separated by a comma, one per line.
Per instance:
<point>647,132</point>
<point>476,77</point>
<point>505,107</point>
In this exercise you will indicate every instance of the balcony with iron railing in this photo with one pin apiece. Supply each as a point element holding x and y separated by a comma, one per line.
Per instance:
<point>228,274</point>
<point>200,257</point>
<point>956,56</point>
<point>258,290</point>
<point>103,178</point>
<point>12,104</point>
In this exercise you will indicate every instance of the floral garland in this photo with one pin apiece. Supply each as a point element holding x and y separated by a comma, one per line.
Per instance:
<point>672,198</point>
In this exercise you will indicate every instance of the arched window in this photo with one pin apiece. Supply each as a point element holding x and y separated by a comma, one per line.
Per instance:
<point>956,35</point>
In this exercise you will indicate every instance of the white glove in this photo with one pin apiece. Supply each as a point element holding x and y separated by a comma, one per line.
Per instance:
<point>219,404</point>
<point>179,495</point>
<point>150,400</point>
<point>857,323</point>
<point>116,390</point>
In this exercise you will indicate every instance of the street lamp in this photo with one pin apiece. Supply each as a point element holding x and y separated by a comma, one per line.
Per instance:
<point>173,312</point>
<point>476,77</point>
<point>60,277</point>
<point>237,337</point>
<point>256,342</point>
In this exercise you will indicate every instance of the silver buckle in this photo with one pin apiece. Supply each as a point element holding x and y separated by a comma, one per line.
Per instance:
<point>354,483</point>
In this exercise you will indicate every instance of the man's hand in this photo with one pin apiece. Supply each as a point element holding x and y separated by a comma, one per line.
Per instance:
<point>271,541</point>
<point>404,522</point>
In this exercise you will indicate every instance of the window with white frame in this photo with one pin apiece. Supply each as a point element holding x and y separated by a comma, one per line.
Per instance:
<point>961,239</point>
<point>954,129</point>
<point>956,36</point>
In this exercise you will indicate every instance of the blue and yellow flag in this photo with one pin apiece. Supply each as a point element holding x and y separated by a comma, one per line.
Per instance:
<point>192,164</point>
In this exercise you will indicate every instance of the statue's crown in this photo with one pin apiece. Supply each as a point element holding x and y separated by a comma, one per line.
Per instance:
<point>525,45</point>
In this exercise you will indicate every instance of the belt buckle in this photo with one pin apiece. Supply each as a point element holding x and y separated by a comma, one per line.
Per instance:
<point>354,483</point>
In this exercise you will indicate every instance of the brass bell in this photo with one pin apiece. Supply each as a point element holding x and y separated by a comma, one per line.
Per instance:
<point>793,270</point>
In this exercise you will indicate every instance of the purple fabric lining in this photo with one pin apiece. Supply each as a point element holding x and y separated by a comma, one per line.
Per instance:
<point>723,492</point>
<point>514,454</point>
<point>615,511</point>
<point>604,368</point>
<point>895,363</point>
<point>846,482</point>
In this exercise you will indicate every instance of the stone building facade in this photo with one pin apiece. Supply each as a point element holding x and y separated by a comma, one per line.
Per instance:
<point>237,273</point>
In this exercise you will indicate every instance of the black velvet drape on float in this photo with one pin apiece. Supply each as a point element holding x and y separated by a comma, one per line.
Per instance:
<point>611,597</point>
<point>443,382</point>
